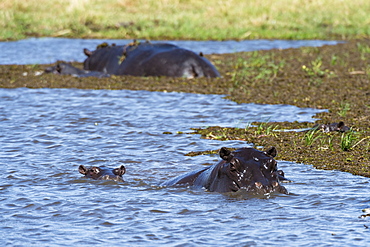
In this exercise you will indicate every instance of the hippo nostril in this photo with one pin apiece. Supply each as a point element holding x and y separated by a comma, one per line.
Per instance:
<point>258,185</point>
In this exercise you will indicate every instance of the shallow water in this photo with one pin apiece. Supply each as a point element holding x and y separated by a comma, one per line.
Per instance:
<point>49,50</point>
<point>47,133</point>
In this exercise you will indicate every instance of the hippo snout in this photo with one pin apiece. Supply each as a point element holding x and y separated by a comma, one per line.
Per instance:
<point>272,187</point>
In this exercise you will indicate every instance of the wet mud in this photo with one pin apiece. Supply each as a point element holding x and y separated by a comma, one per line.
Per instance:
<point>329,77</point>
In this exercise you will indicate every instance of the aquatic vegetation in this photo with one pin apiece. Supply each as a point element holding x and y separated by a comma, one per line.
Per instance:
<point>363,48</point>
<point>330,142</point>
<point>271,130</point>
<point>334,59</point>
<point>311,136</point>
<point>260,128</point>
<point>264,129</point>
<point>316,70</point>
<point>257,67</point>
<point>347,140</point>
<point>344,108</point>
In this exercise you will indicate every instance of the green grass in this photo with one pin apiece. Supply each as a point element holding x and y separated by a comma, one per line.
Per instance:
<point>344,108</point>
<point>315,70</point>
<point>347,140</point>
<point>185,19</point>
<point>264,129</point>
<point>311,136</point>
<point>257,67</point>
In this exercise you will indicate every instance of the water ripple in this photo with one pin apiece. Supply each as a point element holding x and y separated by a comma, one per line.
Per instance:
<point>45,201</point>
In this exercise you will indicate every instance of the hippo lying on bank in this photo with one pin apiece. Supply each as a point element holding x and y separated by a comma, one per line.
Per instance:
<point>103,173</point>
<point>340,127</point>
<point>243,169</point>
<point>145,59</point>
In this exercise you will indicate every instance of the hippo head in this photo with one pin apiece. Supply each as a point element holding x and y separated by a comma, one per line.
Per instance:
<point>102,173</point>
<point>247,169</point>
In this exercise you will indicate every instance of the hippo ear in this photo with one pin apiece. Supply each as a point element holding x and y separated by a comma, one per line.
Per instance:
<point>87,52</point>
<point>340,125</point>
<point>120,171</point>
<point>82,169</point>
<point>271,152</point>
<point>225,154</point>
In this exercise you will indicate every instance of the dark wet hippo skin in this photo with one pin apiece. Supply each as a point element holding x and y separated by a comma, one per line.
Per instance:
<point>340,127</point>
<point>106,59</point>
<point>103,173</point>
<point>140,59</point>
<point>68,69</point>
<point>147,59</point>
<point>243,169</point>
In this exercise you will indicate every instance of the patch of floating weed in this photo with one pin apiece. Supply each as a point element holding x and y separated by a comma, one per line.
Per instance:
<point>364,50</point>
<point>311,136</point>
<point>334,59</point>
<point>347,140</point>
<point>344,108</point>
<point>316,70</point>
<point>259,67</point>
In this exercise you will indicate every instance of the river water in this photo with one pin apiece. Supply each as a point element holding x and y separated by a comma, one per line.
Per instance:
<point>49,50</point>
<point>47,133</point>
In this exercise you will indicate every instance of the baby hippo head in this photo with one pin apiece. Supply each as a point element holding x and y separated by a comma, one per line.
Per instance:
<point>103,173</point>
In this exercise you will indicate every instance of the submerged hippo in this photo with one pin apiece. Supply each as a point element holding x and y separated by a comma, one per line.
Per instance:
<point>243,169</point>
<point>147,59</point>
<point>102,173</point>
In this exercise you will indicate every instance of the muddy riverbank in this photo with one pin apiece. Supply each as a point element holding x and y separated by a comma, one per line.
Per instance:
<point>329,77</point>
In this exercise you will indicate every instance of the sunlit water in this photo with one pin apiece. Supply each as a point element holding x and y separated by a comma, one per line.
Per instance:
<point>47,133</point>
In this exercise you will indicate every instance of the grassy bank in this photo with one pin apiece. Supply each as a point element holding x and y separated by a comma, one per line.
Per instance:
<point>191,19</point>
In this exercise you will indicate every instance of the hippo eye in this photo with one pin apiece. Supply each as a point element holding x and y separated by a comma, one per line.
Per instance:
<point>95,170</point>
<point>270,165</point>
<point>234,165</point>
<point>273,166</point>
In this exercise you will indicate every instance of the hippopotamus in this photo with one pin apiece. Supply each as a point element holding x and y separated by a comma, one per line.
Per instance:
<point>245,169</point>
<point>147,59</point>
<point>140,59</point>
<point>103,173</point>
<point>340,127</point>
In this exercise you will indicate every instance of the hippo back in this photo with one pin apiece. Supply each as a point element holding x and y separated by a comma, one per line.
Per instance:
<point>162,59</point>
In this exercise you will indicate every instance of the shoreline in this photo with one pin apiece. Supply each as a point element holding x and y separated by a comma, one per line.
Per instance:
<point>329,77</point>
